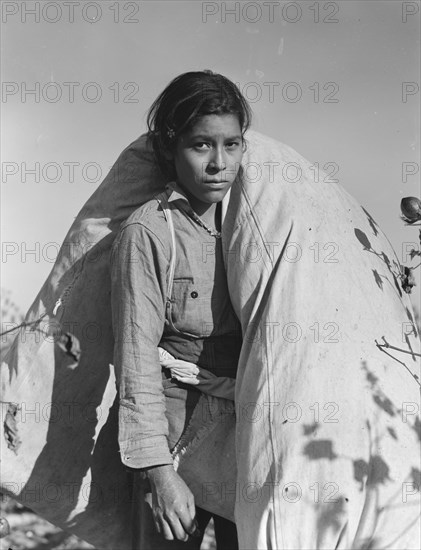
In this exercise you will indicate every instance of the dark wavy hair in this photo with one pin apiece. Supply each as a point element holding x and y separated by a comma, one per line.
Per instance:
<point>184,101</point>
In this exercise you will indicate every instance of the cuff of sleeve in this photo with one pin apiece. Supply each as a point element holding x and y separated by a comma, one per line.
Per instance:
<point>151,452</point>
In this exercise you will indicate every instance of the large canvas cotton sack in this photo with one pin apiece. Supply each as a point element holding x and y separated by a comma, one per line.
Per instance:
<point>328,429</point>
<point>73,457</point>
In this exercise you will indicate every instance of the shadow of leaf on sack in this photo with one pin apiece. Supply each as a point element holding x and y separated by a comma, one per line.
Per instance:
<point>332,517</point>
<point>323,448</point>
<point>396,270</point>
<point>371,221</point>
<point>369,473</point>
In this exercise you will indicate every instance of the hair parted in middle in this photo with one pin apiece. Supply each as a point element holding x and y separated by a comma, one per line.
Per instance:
<point>186,99</point>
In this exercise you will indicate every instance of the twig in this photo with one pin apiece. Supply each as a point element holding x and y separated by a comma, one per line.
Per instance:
<point>387,345</point>
<point>381,348</point>
<point>24,324</point>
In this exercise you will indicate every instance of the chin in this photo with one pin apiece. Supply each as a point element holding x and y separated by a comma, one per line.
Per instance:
<point>215,195</point>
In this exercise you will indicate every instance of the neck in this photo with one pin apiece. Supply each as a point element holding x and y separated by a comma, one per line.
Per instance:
<point>202,209</point>
<point>207,211</point>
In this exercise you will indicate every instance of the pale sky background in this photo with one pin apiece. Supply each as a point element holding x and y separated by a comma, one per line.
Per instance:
<point>368,133</point>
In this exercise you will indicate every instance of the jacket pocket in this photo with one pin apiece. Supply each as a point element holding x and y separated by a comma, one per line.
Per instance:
<point>186,307</point>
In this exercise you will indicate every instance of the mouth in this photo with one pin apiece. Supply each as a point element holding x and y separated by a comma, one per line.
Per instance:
<point>215,185</point>
<point>215,182</point>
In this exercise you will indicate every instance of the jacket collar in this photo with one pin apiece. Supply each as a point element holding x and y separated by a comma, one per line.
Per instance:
<point>175,193</point>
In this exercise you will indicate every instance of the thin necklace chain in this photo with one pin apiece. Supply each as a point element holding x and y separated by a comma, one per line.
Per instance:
<point>213,232</point>
<point>198,220</point>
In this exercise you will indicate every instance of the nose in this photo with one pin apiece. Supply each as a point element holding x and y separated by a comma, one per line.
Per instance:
<point>217,162</point>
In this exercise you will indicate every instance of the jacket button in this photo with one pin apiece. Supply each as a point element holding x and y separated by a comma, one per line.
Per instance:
<point>194,294</point>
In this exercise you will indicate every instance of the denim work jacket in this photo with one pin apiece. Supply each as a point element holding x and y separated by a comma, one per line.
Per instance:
<point>203,327</point>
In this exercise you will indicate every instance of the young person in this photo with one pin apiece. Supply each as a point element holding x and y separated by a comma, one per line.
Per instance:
<point>169,291</point>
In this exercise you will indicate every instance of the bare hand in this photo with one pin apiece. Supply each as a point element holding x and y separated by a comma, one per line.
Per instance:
<point>172,504</point>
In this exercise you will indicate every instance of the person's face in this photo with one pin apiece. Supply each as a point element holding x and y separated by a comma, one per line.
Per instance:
<point>207,157</point>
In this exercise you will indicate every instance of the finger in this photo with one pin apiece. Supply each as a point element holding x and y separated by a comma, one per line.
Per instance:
<point>194,530</point>
<point>197,532</point>
<point>157,523</point>
<point>161,525</point>
<point>188,518</point>
<point>177,529</point>
<point>166,530</point>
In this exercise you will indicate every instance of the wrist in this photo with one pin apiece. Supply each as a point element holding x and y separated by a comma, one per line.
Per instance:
<point>156,473</point>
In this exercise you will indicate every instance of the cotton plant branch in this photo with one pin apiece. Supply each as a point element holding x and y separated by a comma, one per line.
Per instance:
<point>24,324</point>
<point>411,215</point>
<point>386,345</point>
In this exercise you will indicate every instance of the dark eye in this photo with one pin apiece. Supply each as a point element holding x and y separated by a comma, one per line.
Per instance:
<point>201,145</point>
<point>233,144</point>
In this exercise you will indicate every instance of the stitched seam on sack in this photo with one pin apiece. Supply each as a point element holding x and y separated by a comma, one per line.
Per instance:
<point>268,353</point>
<point>255,219</point>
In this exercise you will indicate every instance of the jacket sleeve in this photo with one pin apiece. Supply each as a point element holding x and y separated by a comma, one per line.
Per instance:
<point>138,285</point>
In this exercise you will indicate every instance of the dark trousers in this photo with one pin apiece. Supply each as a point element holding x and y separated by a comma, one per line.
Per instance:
<point>146,537</point>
